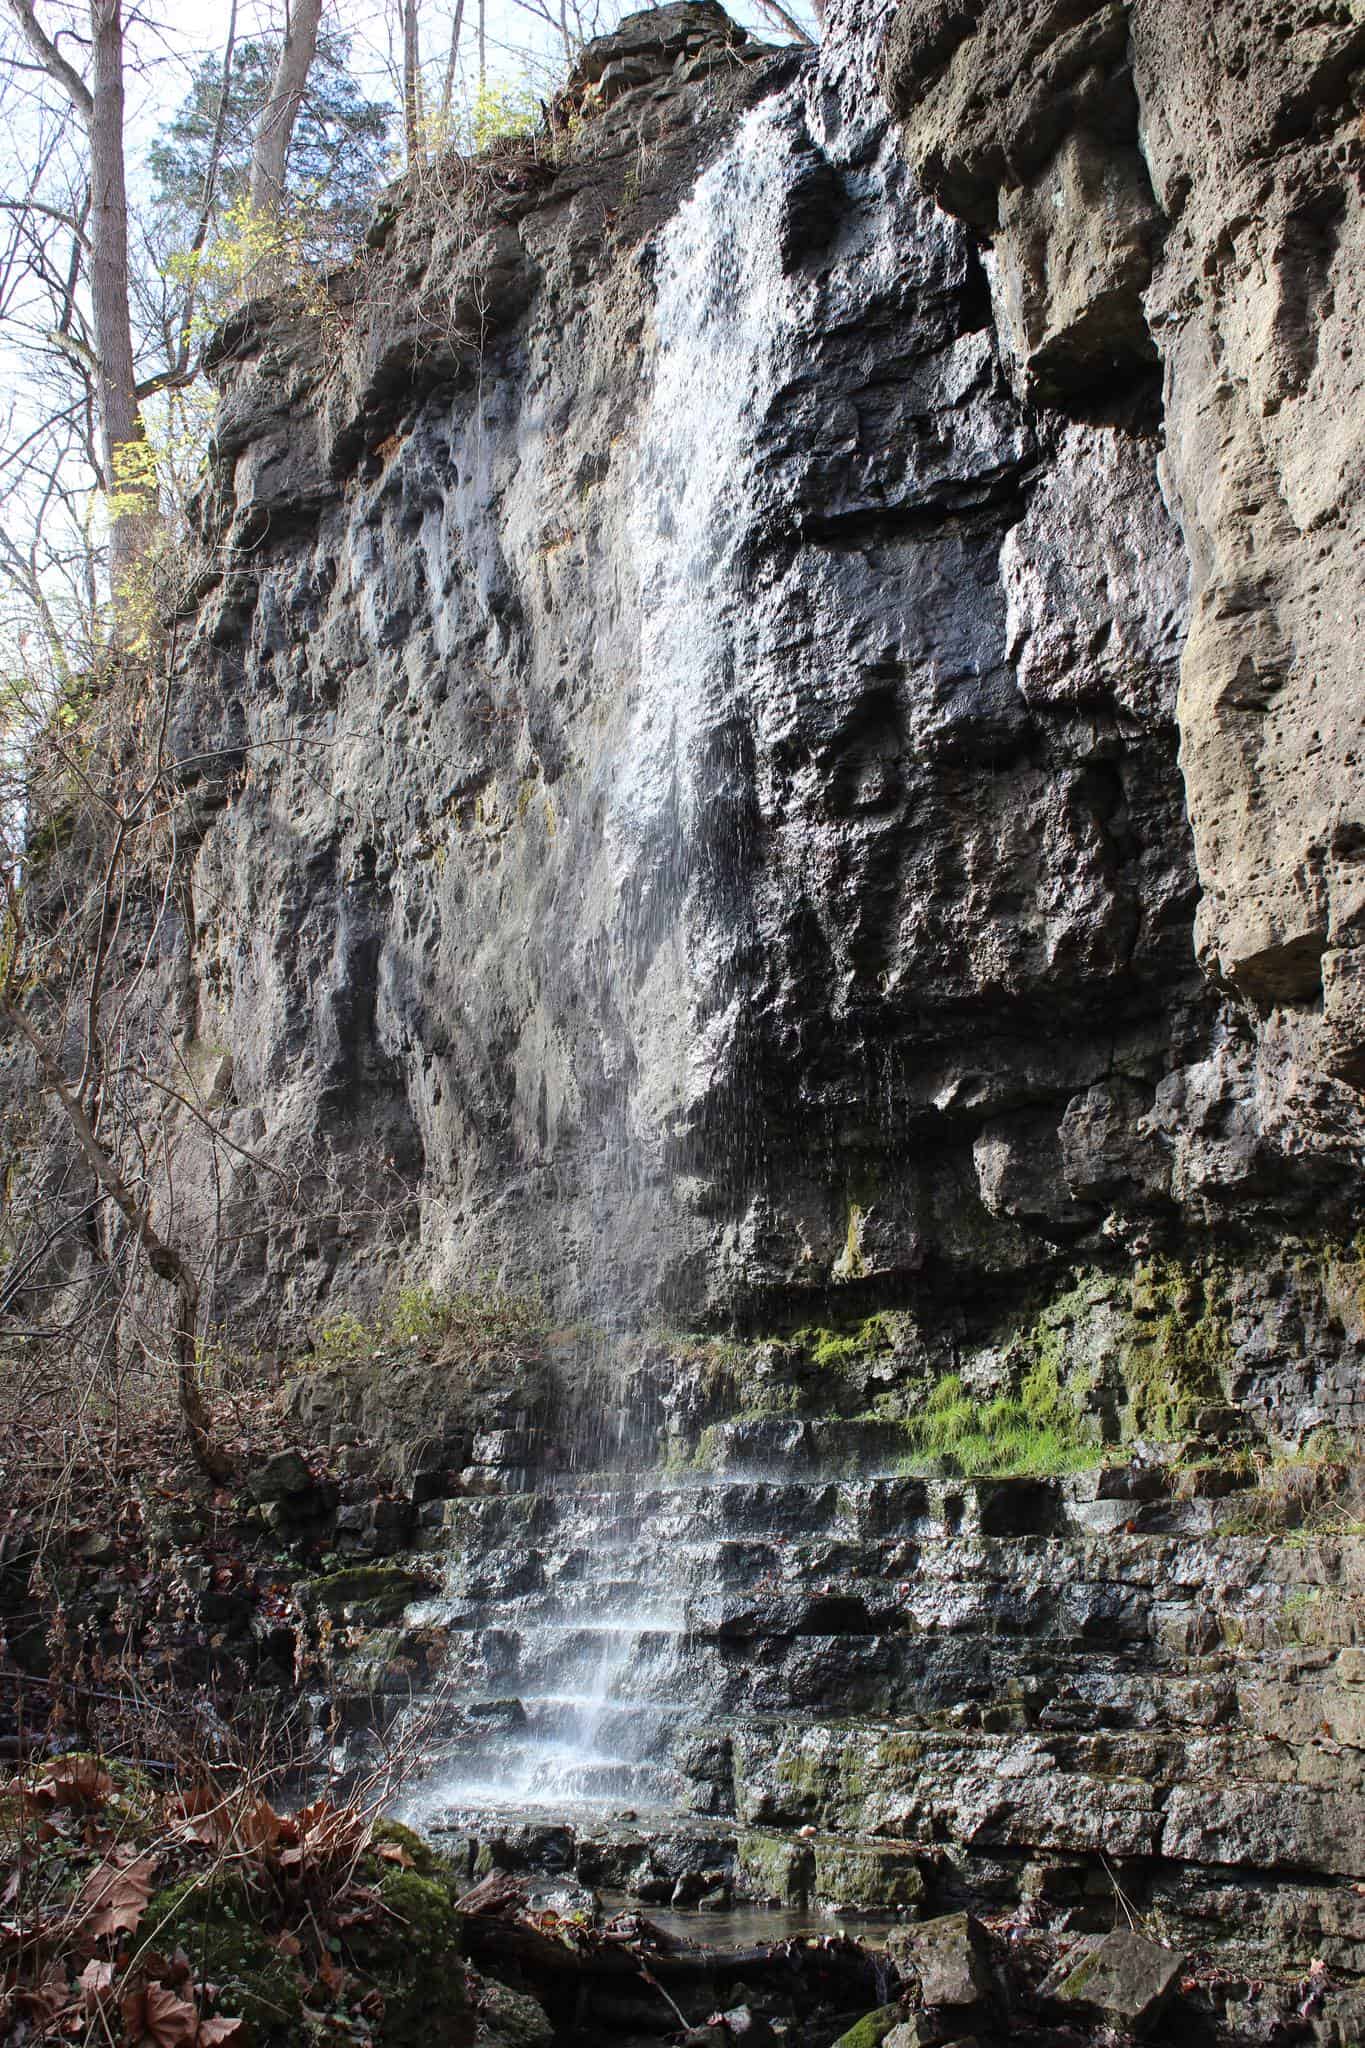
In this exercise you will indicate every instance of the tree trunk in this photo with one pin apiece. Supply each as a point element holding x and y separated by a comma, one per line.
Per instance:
<point>448,87</point>
<point>276,128</point>
<point>412,84</point>
<point>133,507</point>
<point>776,12</point>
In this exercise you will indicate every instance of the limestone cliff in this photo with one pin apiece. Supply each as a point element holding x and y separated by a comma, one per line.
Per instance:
<point>713,634</point>
<point>768,747</point>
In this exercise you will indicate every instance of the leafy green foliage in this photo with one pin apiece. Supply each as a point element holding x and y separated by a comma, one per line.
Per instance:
<point>423,1315</point>
<point>486,1314</point>
<point>502,111</point>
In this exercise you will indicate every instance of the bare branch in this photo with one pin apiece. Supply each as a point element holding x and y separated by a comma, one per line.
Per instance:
<point>50,57</point>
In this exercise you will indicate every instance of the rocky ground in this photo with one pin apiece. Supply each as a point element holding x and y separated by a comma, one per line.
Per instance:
<point>1115,1702</point>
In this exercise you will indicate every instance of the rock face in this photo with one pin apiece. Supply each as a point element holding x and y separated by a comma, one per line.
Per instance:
<point>771,741</point>
<point>1160,181</point>
<point>702,825</point>
<point>903,1694</point>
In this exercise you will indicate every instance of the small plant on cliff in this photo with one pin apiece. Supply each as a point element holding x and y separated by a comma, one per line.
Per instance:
<point>255,253</point>
<point>1034,1432</point>
<point>427,1316</point>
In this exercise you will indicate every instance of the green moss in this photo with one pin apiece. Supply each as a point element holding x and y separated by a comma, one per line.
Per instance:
<point>834,1350</point>
<point>710,1450</point>
<point>1180,1348</point>
<point>409,1951</point>
<point>418,1923</point>
<point>413,1953</point>
<point>486,1314</point>
<point>513,2018</point>
<point>216,1919</point>
<point>375,1593</point>
<point>391,1834</point>
<point>775,1867</point>
<point>898,1753</point>
<point>870,1874</point>
<point>1038,1431</point>
<point>872,2029</point>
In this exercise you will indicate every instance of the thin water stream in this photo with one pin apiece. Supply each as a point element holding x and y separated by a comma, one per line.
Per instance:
<point>601,1679</point>
<point>586,1647</point>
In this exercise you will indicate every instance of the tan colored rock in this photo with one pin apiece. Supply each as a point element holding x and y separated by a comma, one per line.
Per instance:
<point>1126,1981</point>
<point>1072,260</point>
<point>950,1956</point>
<point>1247,121</point>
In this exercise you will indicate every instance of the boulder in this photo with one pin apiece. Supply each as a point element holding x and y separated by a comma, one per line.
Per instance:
<point>1124,1982</point>
<point>507,2018</point>
<point>370,1594</point>
<point>951,1958</point>
<point>283,1477</point>
<point>873,2029</point>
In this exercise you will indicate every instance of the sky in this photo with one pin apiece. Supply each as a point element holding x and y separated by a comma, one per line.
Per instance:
<point>165,43</point>
<point>172,41</point>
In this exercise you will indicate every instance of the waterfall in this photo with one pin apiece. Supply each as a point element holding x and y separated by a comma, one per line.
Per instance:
<point>723,313</point>
<point>677,788</point>
<point>606,1672</point>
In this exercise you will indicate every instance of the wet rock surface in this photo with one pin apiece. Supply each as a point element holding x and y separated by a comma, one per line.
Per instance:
<point>723,683</point>
<point>715,830</point>
<point>905,1697</point>
<point>1122,223</point>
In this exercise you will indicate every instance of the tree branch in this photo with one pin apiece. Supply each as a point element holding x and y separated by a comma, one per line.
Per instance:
<point>50,57</point>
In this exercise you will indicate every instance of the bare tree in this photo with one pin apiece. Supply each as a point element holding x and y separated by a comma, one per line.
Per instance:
<point>99,106</point>
<point>452,64</point>
<point>412,83</point>
<point>781,17</point>
<point>281,110</point>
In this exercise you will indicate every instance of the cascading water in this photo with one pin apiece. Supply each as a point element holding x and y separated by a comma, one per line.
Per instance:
<point>601,1667</point>
<point>722,311</point>
<point>592,1625</point>
<point>673,791</point>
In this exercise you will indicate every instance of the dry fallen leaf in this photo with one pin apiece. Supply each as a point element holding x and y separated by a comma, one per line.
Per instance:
<point>116,1895</point>
<point>394,1852</point>
<point>219,2033</point>
<point>329,1976</point>
<point>95,1979</point>
<point>156,2018</point>
<point>47,2001</point>
<point>76,1781</point>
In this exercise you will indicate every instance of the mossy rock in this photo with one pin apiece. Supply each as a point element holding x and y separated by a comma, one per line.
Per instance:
<point>408,1952</point>
<point>369,1593</point>
<point>507,2018</point>
<point>391,1834</point>
<point>776,1867</point>
<point>877,1875</point>
<point>872,2029</point>
<point>217,1920</point>
<point>412,1953</point>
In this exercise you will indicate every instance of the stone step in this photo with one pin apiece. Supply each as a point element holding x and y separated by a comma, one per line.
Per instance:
<point>1225,1799</point>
